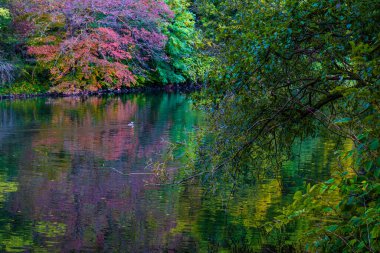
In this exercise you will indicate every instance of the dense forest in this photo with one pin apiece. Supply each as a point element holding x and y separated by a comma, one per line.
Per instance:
<point>272,74</point>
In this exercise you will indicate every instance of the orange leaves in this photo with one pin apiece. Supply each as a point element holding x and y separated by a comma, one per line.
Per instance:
<point>45,53</point>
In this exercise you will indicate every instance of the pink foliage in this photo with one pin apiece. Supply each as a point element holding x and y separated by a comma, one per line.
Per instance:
<point>100,38</point>
<point>47,53</point>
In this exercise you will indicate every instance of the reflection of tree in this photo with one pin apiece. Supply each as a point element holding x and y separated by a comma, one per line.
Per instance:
<point>237,222</point>
<point>65,176</point>
<point>103,132</point>
<point>5,188</point>
<point>59,185</point>
<point>214,224</point>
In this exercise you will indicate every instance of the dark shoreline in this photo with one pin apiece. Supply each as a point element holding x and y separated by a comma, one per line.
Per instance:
<point>184,88</point>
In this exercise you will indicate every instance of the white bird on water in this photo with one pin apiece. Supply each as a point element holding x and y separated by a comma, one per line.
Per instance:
<point>131,124</point>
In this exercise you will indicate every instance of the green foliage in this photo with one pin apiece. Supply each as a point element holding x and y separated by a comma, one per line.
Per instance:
<point>346,208</point>
<point>5,18</point>
<point>288,70</point>
<point>6,32</point>
<point>180,46</point>
<point>24,87</point>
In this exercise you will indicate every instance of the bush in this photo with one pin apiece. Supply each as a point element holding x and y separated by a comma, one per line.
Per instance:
<point>7,72</point>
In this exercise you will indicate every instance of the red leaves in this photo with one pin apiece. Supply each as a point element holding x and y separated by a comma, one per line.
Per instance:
<point>45,53</point>
<point>112,44</point>
<point>100,57</point>
<point>99,40</point>
<point>107,33</point>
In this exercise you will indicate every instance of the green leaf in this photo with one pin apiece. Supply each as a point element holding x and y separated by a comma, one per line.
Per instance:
<point>297,195</point>
<point>323,189</point>
<point>375,232</point>
<point>368,165</point>
<point>332,228</point>
<point>313,188</point>
<point>361,245</point>
<point>342,120</point>
<point>362,136</point>
<point>374,145</point>
<point>268,228</point>
<point>352,242</point>
<point>377,172</point>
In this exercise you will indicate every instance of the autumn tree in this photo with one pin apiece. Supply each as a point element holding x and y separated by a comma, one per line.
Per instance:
<point>94,44</point>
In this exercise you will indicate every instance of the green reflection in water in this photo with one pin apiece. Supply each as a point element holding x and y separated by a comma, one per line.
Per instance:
<point>236,223</point>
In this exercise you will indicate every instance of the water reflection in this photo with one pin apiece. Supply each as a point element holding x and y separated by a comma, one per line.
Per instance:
<point>67,172</point>
<point>225,223</point>
<point>73,173</point>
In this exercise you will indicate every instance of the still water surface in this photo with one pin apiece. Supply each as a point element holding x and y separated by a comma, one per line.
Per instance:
<point>73,178</point>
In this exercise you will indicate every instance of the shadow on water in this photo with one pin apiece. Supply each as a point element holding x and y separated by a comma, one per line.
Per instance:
<point>73,173</point>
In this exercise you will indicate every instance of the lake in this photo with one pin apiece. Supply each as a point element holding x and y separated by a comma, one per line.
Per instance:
<point>74,177</point>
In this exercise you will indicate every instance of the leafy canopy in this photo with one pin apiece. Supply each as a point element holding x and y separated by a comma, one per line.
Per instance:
<point>286,70</point>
